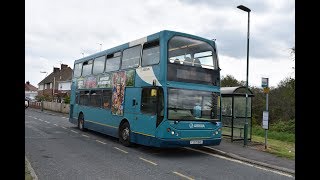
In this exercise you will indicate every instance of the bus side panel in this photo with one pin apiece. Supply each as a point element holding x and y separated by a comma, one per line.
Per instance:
<point>146,75</point>
<point>101,120</point>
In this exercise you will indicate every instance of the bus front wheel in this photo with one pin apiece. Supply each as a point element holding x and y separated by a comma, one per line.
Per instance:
<point>124,134</point>
<point>81,122</point>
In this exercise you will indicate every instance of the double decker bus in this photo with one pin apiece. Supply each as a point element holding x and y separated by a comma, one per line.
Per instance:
<point>162,90</point>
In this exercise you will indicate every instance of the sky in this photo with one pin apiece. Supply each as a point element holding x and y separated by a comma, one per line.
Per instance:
<point>63,31</point>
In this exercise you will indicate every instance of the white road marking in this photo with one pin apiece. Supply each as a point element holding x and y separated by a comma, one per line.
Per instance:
<point>63,127</point>
<point>74,131</point>
<point>101,142</point>
<point>181,175</point>
<point>121,150</point>
<point>55,124</point>
<point>85,135</point>
<point>47,122</point>
<point>241,162</point>
<point>64,117</point>
<point>40,120</point>
<point>215,149</point>
<point>148,161</point>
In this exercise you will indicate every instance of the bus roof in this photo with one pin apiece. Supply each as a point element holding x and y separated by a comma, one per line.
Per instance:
<point>139,41</point>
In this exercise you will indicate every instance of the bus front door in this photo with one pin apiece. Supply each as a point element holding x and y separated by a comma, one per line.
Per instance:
<point>140,107</point>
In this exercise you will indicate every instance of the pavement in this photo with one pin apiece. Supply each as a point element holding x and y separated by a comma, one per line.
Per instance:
<point>253,153</point>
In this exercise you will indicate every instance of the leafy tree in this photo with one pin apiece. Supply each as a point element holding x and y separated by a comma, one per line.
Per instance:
<point>230,81</point>
<point>281,103</point>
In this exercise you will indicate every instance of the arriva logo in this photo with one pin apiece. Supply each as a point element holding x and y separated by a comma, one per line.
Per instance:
<point>196,125</point>
<point>190,125</point>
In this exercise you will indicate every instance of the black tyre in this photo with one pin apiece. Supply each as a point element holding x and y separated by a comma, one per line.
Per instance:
<point>124,134</point>
<point>81,122</point>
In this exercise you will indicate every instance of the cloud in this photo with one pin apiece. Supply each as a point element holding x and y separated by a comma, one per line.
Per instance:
<point>62,30</point>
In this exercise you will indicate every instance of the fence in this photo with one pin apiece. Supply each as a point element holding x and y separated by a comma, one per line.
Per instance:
<point>52,106</point>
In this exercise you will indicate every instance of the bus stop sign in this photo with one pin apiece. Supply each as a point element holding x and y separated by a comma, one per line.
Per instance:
<point>265,82</point>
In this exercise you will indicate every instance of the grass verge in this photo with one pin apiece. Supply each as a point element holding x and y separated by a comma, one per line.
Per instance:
<point>27,174</point>
<point>282,136</point>
<point>277,147</point>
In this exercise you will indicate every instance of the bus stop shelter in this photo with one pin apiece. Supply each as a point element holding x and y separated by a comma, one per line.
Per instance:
<point>233,106</point>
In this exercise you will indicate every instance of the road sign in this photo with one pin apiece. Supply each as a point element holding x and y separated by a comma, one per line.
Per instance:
<point>265,82</point>
<point>266,90</point>
<point>265,120</point>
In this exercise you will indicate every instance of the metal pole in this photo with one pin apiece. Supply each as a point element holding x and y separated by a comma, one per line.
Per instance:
<point>246,119</point>
<point>266,131</point>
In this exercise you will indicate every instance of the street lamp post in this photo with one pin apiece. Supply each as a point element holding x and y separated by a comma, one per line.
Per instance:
<point>246,111</point>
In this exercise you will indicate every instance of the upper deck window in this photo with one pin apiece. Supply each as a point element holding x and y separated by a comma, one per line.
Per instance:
<point>151,53</point>
<point>113,62</point>
<point>77,70</point>
<point>131,57</point>
<point>191,52</point>
<point>98,65</point>
<point>87,67</point>
<point>192,61</point>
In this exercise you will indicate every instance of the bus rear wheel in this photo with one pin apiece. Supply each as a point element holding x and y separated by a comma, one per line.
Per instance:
<point>124,134</point>
<point>81,122</point>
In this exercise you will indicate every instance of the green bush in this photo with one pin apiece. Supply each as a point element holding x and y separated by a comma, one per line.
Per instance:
<point>67,100</point>
<point>284,126</point>
<point>43,98</point>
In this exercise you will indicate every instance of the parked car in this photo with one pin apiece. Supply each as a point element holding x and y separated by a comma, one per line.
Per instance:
<point>26,102</point>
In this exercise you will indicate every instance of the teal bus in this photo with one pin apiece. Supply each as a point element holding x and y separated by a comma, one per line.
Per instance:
<point>162,90</point>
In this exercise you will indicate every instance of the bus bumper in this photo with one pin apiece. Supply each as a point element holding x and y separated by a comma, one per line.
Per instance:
<point>186,143</point>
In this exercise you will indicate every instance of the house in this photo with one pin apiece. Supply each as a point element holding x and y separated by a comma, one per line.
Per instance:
<point>57,84</point>
<point>30,91</point>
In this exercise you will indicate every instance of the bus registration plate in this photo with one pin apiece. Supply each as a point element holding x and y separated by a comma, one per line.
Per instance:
<point>196,142</point>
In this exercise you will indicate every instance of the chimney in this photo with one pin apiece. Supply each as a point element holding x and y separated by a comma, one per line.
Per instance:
<point>28,82</point>
<point>55,69</point>
<point>64,66</point>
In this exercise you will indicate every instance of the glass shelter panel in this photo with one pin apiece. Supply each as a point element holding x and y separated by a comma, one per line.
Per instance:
<point>240,106</point>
